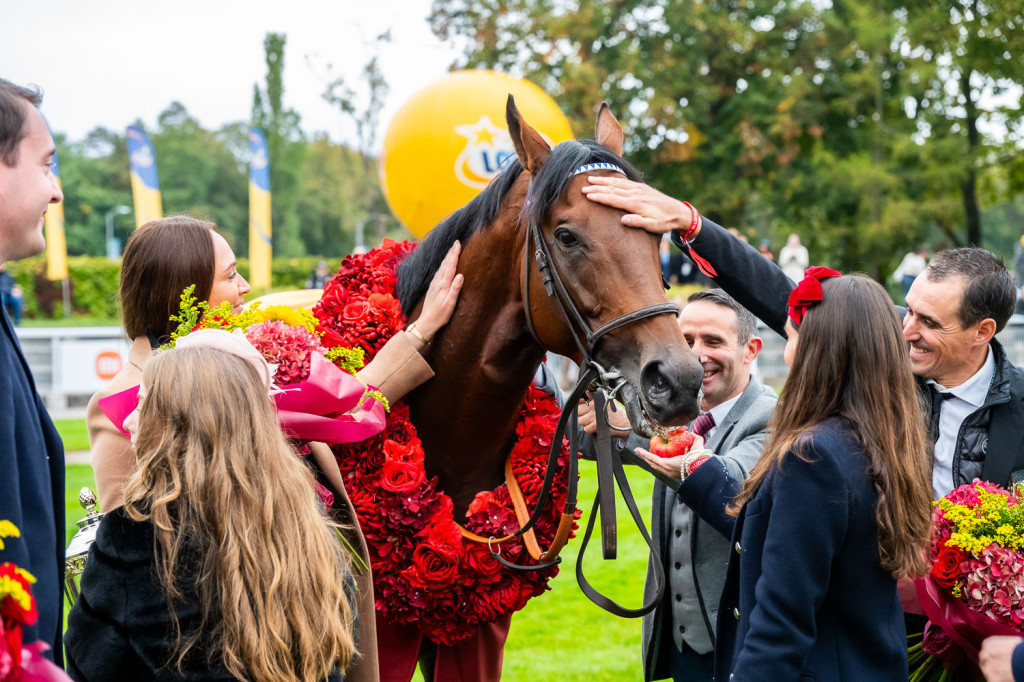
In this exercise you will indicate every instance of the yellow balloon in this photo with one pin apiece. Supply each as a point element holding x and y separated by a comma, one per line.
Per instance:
<point>446,143</point>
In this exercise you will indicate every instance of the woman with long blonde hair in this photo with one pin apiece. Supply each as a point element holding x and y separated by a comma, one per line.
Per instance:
<point>221,564</point>
<point>837,508</point>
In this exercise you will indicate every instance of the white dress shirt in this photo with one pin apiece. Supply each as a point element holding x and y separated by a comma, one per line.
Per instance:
<point>968,397</point>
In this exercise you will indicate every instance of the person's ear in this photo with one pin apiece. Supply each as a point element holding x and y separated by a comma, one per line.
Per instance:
<point>984,331</point>
<point>752,350</point>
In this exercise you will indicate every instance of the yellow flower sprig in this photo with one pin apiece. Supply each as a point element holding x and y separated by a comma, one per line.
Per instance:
<point>9,587</point>
<point>8,530</point>
<point>993,521</point>
<point>348,359</point>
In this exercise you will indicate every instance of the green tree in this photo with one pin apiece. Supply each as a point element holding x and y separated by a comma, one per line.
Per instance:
<point>970,61</point>
<point>95,177</point>
<point>200,175</point>
<point>362,105</point>
<point>286,144</point>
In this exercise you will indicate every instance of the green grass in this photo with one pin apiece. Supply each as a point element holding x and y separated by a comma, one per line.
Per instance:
<point>73,433</point>
<point>73,321</point>
<point>76,476</point>
<point>560,635</point>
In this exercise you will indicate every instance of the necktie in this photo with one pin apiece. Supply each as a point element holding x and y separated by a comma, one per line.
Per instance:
<point>938,397</point>
<point>703,424</point>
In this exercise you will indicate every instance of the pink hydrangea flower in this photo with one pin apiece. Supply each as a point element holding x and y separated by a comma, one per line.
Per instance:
<point>285,346</point>
<point>994,584</point>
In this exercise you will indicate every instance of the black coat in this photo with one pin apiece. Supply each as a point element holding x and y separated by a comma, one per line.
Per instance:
<point>31,488</point>
<point>805,597</point>
<point>120,627</point>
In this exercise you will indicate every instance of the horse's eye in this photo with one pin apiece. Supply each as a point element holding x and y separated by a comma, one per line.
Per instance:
<point>565,238</point>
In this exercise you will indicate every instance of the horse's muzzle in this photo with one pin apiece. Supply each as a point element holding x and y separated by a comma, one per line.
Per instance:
<point>671,391</point>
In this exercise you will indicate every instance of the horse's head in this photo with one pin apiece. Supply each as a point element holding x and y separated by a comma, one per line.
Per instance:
<point>608,273</point>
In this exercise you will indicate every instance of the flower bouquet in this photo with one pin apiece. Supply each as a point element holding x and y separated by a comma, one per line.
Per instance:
<point>313,374</point>
<point>975,588</point>
<point>18,662</point>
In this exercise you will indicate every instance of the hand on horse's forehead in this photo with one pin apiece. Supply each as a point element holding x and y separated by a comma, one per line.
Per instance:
<point>645,207</point>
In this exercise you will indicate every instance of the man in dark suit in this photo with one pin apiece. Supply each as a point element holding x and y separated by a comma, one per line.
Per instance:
<point>954,310</point>
<point>679,635</point>
<point>31,453</point>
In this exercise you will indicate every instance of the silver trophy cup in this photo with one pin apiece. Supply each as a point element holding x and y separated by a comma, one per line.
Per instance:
<point>78,548</point>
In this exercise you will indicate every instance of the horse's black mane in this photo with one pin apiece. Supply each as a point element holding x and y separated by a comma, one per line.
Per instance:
<point>550,184</point>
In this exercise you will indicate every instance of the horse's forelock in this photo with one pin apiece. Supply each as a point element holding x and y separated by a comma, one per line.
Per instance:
<point>417,270</point>
<point>553,179</point>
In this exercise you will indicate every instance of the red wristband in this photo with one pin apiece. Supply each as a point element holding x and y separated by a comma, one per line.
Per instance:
<point>696,463</point>
<point>694,220</point>
<point>702,265</point>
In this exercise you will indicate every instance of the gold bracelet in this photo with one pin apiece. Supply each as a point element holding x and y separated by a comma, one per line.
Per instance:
<point>418,334</point>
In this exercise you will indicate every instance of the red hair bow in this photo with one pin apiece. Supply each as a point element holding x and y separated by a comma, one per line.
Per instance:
<point>808,292</point>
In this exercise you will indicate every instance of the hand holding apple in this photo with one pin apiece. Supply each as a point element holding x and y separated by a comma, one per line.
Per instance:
<point>673,448</point>
<point>674,443</point>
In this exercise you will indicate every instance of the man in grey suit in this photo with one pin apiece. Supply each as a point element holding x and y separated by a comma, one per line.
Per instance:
<point>678,636</point>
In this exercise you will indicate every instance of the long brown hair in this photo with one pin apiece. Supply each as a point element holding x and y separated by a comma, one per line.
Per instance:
<point>851,362</point>
<point>161,259</point>
<point>221,486</point>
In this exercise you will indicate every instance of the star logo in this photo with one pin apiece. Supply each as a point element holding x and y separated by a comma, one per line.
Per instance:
<point>487,151</point>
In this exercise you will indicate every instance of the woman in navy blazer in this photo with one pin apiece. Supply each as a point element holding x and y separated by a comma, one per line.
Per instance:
<point>837,508</point>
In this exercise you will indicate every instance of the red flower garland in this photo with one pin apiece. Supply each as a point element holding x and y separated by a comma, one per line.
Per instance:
<point>424,572</point>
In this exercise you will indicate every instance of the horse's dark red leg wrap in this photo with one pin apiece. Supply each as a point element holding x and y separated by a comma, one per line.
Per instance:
<point>397,649</point>
<point>477,659</point>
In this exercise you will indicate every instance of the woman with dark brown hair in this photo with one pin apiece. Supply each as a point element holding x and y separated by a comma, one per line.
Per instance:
<point>161,259</point>
<point>837,508</point>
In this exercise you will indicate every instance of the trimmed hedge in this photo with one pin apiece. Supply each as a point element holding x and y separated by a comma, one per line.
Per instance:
<point>94,281</point>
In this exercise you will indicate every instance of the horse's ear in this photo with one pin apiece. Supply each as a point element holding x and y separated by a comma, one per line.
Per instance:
<point>608,130</point>
<point>531,148</point>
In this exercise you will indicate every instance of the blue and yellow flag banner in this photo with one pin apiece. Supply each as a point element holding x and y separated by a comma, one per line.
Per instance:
<point>145,187</point>
<point>56,243</point>
<point>260,249</point>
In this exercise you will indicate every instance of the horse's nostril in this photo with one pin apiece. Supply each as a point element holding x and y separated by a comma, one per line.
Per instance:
<point>655,385</point>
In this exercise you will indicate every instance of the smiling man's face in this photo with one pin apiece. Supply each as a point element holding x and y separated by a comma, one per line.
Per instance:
<point>941,349</point>
<point>711,331</point>
<point>27,188</point>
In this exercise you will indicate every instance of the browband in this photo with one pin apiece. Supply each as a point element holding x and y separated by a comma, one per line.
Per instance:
<point>598,166</point>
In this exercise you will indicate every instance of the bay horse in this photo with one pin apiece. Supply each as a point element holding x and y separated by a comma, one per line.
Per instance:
<point>486,357</point>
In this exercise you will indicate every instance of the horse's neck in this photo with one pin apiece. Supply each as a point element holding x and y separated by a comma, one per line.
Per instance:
<point>484,361</point>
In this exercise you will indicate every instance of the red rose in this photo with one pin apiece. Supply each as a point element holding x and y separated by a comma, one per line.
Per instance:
<point>433,567</point>
<point>409,452</point>
<point>400,477</point>
<point>946,569</point>
<point>480,560</point>
<point>356,312</point>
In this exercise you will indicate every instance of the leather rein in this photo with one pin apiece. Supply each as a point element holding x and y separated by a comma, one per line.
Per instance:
<point>604,384</point>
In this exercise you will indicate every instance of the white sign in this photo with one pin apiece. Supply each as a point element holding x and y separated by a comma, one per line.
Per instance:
<point>84,366</point>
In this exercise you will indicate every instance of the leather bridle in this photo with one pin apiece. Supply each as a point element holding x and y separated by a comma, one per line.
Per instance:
<point>604,384</point>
